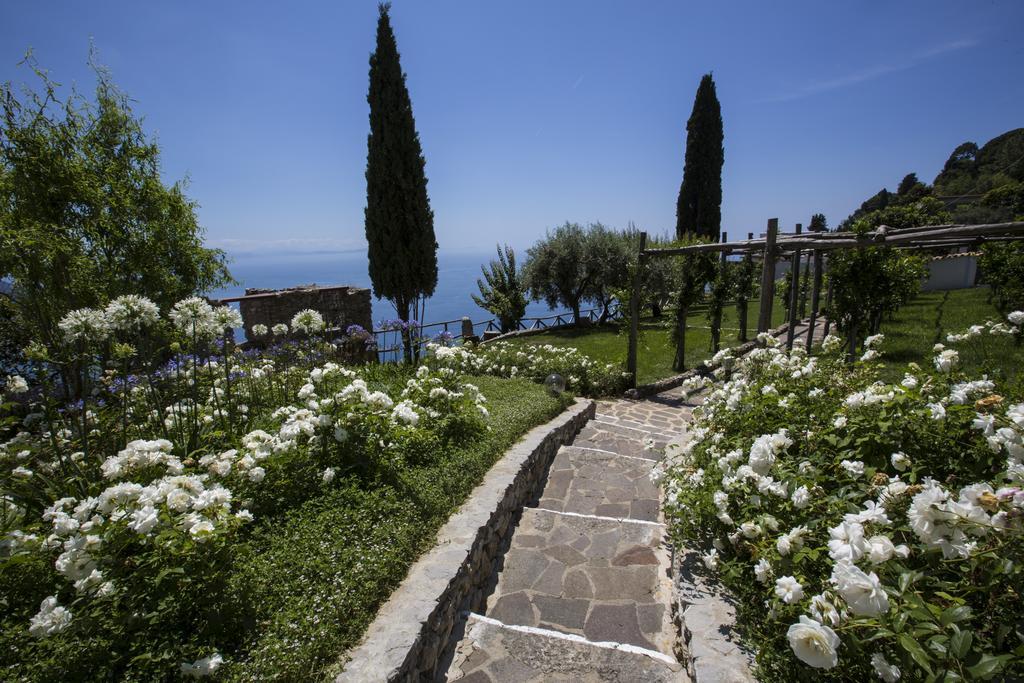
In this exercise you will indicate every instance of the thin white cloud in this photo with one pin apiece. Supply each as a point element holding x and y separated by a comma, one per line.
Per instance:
<point>578,82</point>
<point>296,245</point>
<point>872,72</point>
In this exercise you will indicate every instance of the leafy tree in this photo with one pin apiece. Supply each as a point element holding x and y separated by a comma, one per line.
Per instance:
<point>908,183</point>
<point>1002,267</point>
<point>699,208</point>
<point>818,223</point>
<point>746,288</point>
<point>399,222</point>
<point>609,253</point>
<point>869,284</point>
<point>503,291</point>
<point>722,290</point>
<point>560,269</point>
<point>84,214</point>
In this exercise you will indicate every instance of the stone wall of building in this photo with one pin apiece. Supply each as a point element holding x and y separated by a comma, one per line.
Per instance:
<point>340,306</point>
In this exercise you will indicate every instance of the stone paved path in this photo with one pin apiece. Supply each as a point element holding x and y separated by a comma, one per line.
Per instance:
<point>583,592</point>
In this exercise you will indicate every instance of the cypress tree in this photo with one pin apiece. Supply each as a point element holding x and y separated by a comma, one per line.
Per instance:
<point>699,209</point>
<point>399,223</point>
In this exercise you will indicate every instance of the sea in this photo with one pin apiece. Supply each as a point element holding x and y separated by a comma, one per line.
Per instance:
<point>456,281</point>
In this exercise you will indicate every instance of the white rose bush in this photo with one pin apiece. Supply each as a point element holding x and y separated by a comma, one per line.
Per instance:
<point>582,374</point>
<point>869,530</point>
<point>126,505</point>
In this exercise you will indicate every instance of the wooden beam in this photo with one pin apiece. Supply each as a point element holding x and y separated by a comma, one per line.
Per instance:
<point>764,319</point>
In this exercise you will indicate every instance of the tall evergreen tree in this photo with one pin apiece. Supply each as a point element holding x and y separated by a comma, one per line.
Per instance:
<point>399,222</point>
<point>699,209</point>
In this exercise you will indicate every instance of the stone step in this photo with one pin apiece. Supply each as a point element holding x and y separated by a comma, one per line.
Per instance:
<point>495,652</point>
<point>599,578</point>
<point>619,439</point>
<point>630,424</point>
<point>667,417</point>
<point>597,482</point>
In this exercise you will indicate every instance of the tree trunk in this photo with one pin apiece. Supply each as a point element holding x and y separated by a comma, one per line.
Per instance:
<point>655,309</point>
<point>680,362</point>
<point>576,312</point>
<point>741,306</point>
<point>716,329</point>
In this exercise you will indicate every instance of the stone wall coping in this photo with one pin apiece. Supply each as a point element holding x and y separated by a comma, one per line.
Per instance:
<point>412,628</point>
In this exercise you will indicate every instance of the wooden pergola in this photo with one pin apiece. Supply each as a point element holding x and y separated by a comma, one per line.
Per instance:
<point>773,247</point>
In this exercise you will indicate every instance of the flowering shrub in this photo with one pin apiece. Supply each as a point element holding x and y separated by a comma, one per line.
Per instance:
<point>581,373</point>
<point>869,530</point>
<point>120,503</point>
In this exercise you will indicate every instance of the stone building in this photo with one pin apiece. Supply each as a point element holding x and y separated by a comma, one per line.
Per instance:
<point>340,306</point>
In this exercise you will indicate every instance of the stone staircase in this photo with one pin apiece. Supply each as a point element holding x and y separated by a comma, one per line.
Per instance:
<point>583,592</point>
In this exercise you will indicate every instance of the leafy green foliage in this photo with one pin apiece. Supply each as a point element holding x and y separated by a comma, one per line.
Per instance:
<point>699,207</point>
<point>399,222</point>
<point>84,213</point>
<point>1002,267</point>
<point>572,264</point>
<point>870,283</point>
<point>503,290</point>
<point>811,472</point>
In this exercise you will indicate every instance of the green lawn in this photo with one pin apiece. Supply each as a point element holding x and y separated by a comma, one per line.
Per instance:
<point>607,343</point>
<point>925,321</point>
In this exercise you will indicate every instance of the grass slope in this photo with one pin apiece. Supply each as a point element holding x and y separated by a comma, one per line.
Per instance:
<point>925,321</point>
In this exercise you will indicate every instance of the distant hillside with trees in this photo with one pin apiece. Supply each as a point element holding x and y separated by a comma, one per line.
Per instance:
<point>976,185</point>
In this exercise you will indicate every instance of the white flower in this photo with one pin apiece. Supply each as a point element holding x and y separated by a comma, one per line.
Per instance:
<point>831,343</point>
<point>227,317</point>
<point>881,549</point>
<point>823,610</point>
<point>130,313</point>
<point>750,530</point>
<point>51,618</point>
<point>340,434</point>
<point>279,329</point>
<point>1016,318</point>
<point>814,643</point>
<point>854,468</point>
<point>862,592</point>
<point>801,498</point>
<point>710,559</point>
<point>874,341</point>
<point>195,316</point>
<point>890,673</point>
<point>257,474</point>
<point>946,360</point>
<point>202,667</point>
<point>307,321</point>
<point>328,475</point>
<point>202,530</point>
<point>839,422</point>
<point>789,589</point>
<point>258,330</point>
<point>900,461</point>
<point>938,411</point>
<point>909,382</point>
<point>847,542</point>
<point>84,324</point>
<point>762,570</point>
<point>16,384</point>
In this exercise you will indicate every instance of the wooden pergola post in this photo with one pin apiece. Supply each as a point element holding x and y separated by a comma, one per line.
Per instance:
<point>815,297</point>
<point>745,304</point>
<point>764,319</point>
<point>828,306</point>
<point>634,311</point>
<point>716,320</point>
<point>794,293</point>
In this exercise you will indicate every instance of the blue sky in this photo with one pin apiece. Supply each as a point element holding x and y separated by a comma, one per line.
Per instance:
<point>533,113</point>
